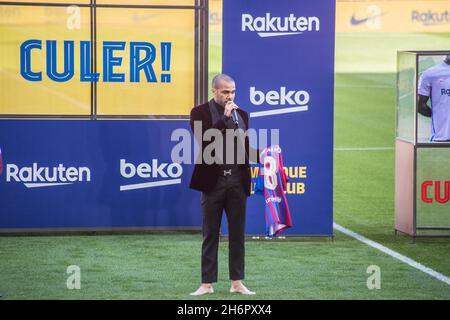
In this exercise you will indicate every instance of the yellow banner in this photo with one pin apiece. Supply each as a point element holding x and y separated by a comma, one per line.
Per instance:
<point>153,26</point>
<point>393,16</point>
<point>45,61</point>
<point>19,96</point>
<point>116,2</point>
<point>52,1</point>
<point>150,2</point>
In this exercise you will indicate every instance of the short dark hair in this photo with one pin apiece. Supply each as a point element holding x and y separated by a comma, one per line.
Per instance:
<point>221,77</point>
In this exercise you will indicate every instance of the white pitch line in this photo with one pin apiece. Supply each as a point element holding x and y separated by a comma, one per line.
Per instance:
<point>403,96</point>
<point>377,86</point>
<point>364,149</point>
<point>42,86</point>
<point>392,253</point>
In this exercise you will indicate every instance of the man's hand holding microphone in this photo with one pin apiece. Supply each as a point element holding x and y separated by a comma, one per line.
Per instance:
<point>230,111</point>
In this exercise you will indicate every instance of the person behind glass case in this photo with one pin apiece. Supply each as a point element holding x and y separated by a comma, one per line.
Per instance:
<point>434,84</point>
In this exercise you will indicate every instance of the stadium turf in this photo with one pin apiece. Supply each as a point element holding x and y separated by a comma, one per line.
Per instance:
<point>166,266</point>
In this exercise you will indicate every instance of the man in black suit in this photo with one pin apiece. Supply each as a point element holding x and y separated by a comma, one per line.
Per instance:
<point>223,176</point>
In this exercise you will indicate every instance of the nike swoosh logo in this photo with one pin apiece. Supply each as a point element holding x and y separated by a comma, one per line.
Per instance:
<point>356,22</point>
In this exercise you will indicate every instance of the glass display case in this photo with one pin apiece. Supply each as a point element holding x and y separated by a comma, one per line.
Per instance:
<point>422,146</point>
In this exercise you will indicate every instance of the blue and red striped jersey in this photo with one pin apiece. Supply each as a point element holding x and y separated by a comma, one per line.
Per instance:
<point>271,182</point>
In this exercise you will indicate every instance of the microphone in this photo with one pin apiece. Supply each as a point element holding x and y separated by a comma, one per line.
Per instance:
<point>235,117</point>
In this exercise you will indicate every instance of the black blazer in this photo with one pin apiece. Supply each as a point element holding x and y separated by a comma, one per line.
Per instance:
<point>205,176</point>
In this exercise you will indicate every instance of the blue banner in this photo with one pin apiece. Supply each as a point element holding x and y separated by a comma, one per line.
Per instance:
<point>281,55</point>
<point>94,174</point>
<point>122,174</point>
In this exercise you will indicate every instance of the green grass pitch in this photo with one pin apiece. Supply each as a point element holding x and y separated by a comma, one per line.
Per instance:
<point>167,266</point>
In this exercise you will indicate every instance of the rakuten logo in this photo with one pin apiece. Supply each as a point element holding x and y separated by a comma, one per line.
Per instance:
<point>294,100</point>
<point>268,26</point>
<point>147,170</point>
<point>445,92</point>
<point>35,176</point>
<point>430,18</point>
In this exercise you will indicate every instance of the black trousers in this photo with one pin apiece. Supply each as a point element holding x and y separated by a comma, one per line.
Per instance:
<point>228,194</point>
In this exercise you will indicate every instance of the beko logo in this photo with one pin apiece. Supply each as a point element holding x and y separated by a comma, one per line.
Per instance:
<point>284,97</point>
<point>37,176</point>
<point>171,173</point>
<point>268,26</point>
<point>292,100</point>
